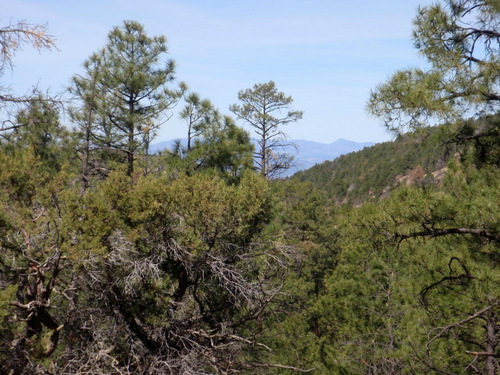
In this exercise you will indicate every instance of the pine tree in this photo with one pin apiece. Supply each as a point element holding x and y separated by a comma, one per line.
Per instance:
<point>460,41</point>
<point>126,86</point>
<point>261,109</point>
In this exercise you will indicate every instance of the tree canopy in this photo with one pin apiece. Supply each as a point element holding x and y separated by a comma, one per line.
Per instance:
<point>262,108</point>
<point>194,262</point>
<point>459,40</point>
<point>125,85</point>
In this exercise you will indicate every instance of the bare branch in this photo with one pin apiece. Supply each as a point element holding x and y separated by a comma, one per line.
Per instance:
<point>444,330</point>
<point>13,37</point>
<point>281,366</point>
<point>444,232</point>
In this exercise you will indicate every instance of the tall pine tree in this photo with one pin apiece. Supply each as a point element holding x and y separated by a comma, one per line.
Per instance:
<point>126,86</point>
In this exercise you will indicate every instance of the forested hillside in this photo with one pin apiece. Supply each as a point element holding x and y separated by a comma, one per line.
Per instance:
<point>374,171</point>
<point>199,261</point>
<point>418,158</point>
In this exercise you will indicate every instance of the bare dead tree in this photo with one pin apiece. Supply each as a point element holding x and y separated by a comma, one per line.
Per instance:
<point>12,40</point>
<point>13,37</point>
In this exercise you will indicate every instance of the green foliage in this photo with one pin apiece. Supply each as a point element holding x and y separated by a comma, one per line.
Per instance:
<point>410,266</point>
<point>261,109</point>
<point>41,132</point>
<point>198,114</point>
<point>124,91</point>
<point>198,265</point>
<point>31,260</point>
<point>166,262</point>
<point>221,148</point>
<point>374,171</point>
<point>6,295</point>
<point>134,264</point>
<point>454,231</point>
<point>459,40</point>
<point>411,285</point>
<point>308,221</point>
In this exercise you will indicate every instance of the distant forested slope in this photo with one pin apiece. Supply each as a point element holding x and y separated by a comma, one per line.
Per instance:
<point>374,171</point>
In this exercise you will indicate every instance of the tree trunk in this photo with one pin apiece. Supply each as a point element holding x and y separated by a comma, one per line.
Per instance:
<point>491,344</point>
<point>130,145</point>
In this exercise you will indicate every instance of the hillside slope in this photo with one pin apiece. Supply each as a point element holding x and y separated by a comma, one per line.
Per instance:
<point>310,153</point>
<point>374,171</point>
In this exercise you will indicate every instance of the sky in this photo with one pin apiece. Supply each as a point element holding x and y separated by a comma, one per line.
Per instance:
<point>327,54</point>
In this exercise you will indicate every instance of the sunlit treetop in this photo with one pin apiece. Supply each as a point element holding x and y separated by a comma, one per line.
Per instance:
<point>460,40</point>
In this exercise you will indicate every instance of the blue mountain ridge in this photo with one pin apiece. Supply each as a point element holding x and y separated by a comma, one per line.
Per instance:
<point>308,153</point>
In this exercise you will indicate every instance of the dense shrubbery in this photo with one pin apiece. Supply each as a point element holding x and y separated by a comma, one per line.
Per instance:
<point>114,261</point>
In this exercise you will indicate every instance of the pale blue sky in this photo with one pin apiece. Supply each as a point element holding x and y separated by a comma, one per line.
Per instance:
<point>327,54</point>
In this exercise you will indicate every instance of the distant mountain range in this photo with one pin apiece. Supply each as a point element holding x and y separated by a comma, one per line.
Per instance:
<point>307,154</point>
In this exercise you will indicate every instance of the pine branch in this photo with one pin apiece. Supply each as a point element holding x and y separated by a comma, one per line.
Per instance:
<point>444,232</point>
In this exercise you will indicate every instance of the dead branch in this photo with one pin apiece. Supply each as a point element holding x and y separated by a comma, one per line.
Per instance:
<point>253,365</point>
<point>446,329</point>
<point>482,354</point>
<point>13,37</point>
